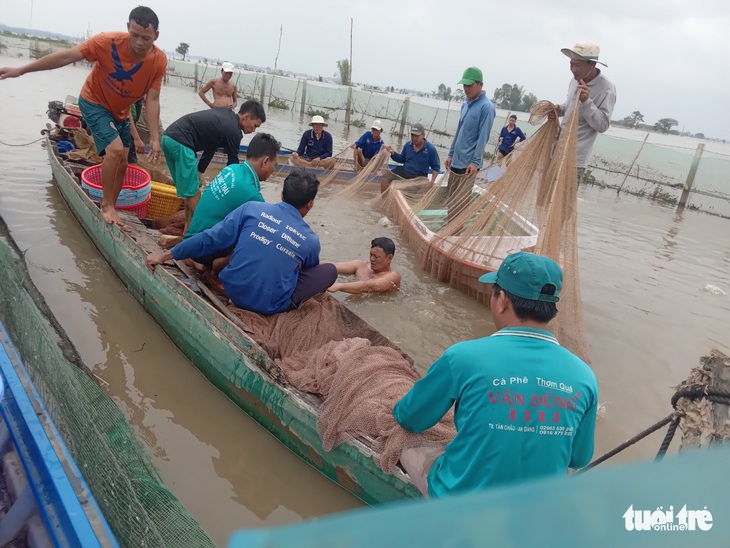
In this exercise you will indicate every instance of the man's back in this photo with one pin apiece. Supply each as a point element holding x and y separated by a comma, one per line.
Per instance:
<point>118,79</point>
<point>525,408</point>
<point>273,241</point>
<point>215,127</point>
<point>234,186</point>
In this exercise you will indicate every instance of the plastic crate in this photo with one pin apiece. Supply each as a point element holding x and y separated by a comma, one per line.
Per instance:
<point>135,189</point>
<point>140,210</point>
<point>163,201</point>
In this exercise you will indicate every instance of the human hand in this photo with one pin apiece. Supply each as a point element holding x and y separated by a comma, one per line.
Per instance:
<point>447,163</point>
<point>232,106</point>
<point>154,259</point>
<point>315,162</point>
<point>294,155</point>
<point>389,149</point>
<point>138,145</point>
<point>155,152</point>
<point>553,114</point>
<point>585,91</point>
<point>8,72</point>
<point>471,169</point>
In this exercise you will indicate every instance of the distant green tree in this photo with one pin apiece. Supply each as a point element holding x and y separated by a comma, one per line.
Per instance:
<point>633,120</point>
<point>183,49</point>
<point>444,93</point>
<point>343,67</point>
<point>459,95</point>
<point>513,97</point>
<point>665,124</point>
<point>700,135</point>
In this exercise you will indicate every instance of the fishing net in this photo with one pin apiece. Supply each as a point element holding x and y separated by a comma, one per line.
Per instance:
<point>324,349</point>
<point>464,226</point>
<point>125,483</point>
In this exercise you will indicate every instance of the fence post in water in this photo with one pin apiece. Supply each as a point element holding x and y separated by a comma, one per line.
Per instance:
<point>348,112</point>
<point>691,177</point>
<point>196,77</point>
<point>304,100</point>
<point>404,117</point>
<point>263,88</point>
<point>632,165</point>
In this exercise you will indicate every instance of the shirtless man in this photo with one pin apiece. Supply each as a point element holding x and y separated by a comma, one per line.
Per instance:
<point>374,276</point>
<point>225,93</point>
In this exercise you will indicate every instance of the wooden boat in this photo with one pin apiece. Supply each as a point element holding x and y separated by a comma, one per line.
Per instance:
<point>472,259</point>
<point>224,352</point>
<point>49,501</point>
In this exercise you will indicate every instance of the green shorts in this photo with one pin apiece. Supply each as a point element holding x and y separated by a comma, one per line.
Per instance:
<point>183,166</point>
<point>104,127</point>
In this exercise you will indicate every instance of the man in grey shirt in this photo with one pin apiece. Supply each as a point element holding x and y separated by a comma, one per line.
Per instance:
<point>596,101</point>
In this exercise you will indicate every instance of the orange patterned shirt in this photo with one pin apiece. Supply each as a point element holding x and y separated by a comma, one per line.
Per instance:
<point>119,79</point>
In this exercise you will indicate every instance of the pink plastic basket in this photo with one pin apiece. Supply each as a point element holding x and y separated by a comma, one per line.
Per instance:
<point>135,189</point>
<point>140,210</point>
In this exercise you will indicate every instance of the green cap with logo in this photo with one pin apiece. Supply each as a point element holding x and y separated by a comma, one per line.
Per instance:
<point>525,274</point>
<point>471,75</point>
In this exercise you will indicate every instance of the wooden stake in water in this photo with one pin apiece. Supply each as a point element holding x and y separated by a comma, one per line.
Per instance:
<point>632,164</point>
<point>348,112</point>
<point>691,177</point>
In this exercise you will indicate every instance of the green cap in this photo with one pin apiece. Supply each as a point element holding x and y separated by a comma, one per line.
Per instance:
<point>471,75</point>
<point>524,274</point>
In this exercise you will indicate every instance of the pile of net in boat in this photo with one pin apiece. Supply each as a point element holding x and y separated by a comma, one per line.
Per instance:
<point>325,350</point>
<point>461,234</point>
<point>116,467</point>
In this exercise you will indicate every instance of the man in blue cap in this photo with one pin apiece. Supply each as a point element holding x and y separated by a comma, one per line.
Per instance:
<point>524,406</point>
<point>467,149</point>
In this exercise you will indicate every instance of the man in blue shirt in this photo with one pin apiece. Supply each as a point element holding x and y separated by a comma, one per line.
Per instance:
<point>524,406</point>
<point>467,148</point>
<point>368,145</point>
<point>417,157</point>
<point>508,137</point>
<point>315,146</point>
<point>275,262</point>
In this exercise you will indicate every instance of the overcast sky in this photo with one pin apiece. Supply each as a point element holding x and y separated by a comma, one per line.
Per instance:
<point>668,58</point>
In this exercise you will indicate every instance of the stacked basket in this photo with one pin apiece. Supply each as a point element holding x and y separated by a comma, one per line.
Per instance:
<point>135,193</point>
<point>164,201</point>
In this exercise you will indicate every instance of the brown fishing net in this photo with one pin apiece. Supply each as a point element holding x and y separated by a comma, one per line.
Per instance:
<point>465,226</point>
<point>324,349</point>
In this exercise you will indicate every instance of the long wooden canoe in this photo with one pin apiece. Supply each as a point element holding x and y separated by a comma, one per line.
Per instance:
<point>224,353</point>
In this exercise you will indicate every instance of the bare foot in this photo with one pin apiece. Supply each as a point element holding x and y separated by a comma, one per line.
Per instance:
<point>200,268</point>
<point>112,217</point>
<point>214,283</point>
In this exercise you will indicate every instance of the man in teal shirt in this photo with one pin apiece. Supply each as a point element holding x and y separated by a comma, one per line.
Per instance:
<point>235,185</point>
<point>524,406</point>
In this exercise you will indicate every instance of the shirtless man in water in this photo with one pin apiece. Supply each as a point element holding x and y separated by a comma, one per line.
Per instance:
<point>375,275</point>
<point>225,93</point>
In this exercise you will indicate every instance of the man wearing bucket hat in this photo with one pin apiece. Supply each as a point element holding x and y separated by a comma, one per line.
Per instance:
<point>315,146</point>
<point>467,149</point>
<point>524,406</point>
<point>596,100</point>
<point>225,93</point>
<point>368,145</point>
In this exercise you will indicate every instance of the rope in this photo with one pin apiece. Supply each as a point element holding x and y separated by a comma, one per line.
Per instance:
<point>24,144</point>
<point>715,396</point>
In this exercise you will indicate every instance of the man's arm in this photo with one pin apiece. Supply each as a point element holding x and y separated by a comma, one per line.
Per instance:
<point>429,399</point>
<point>207,87</point>
<point>327,138</point>
<point>597,112</point>
<point>435,164</point>
<point>48,62</point>
<point>152,109</point>
<point>582,450</point>
<point>138,143</point>
<point>486,120</point>
<point>205,159</point>
<point>350,267</point>
<point>302,144</point>
<point>381,284</point>
<point>232,146</point>
<point>400,158</point>
<point>235,97</point>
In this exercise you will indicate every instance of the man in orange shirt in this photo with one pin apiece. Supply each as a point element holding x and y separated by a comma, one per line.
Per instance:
<point>127,67</point>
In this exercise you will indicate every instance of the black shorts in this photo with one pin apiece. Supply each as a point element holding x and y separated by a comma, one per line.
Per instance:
<point>505,152</point>
<point>208,259</point>
<point>402,173</point>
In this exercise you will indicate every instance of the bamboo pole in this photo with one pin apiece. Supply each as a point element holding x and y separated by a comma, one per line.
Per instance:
<point>276,62</point>
<point>691,177</point>
<point>632,164</point>
<point>348,112</point>
<point>404,117</point>
<point>304,100</point>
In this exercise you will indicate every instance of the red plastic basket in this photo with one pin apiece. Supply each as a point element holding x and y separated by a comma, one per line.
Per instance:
<point>134,178</point>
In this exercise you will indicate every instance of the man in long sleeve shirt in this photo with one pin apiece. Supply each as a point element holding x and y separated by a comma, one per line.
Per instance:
<point>275,262</point>
<point>596,101</point>
<point>205,131</point>
<point>467,148</point>
<point>524,407</point>
<point>417,157</point>
<point>315,146</point>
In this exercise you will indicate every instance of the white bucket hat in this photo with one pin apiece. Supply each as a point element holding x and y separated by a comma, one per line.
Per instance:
<point>586,51</point>
<point>317,119</point>
<point>377,124</point>
<point>227,67</point>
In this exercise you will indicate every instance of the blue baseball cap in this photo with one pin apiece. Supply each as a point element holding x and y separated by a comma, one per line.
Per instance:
<point>524,274</point>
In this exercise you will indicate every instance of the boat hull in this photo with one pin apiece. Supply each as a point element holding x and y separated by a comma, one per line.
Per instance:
<point>231,360</point>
